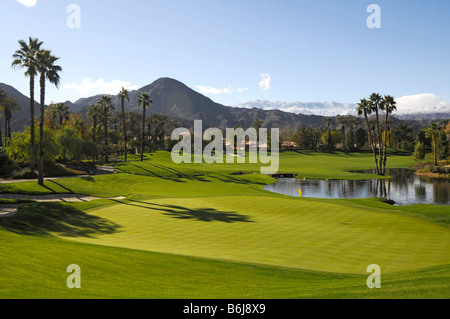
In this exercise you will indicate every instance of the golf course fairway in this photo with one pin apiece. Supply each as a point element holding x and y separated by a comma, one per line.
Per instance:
<point>201,231</point>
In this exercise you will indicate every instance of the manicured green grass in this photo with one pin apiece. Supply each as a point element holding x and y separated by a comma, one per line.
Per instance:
<point>306,234</point>
<point>307,164</point>
<point>195,231</point>
<point>35,267</point>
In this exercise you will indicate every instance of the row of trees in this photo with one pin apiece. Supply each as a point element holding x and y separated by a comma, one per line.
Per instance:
<point>78,138</point>
<point>102,110</point>
<point>372,131</point>
<point>40,62</point>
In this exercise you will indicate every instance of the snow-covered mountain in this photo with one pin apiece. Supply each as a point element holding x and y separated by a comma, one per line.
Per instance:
<point>307,108</point>
<point>419,106</point>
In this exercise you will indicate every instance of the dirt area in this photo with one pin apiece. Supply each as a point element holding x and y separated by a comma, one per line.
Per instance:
<point>433,175</point>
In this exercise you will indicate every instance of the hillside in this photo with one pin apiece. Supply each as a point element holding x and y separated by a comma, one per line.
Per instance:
<point>20,118</point>
<point>173,98</point>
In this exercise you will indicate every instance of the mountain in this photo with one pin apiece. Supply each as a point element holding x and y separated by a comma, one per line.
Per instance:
<point>404,112</point>
<point>424,116</point>
<point>20,119</point>
<point>173,98</point>
<point>307,108</point>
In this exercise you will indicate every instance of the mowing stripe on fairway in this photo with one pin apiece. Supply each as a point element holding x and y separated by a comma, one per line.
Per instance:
<point>277,231</point>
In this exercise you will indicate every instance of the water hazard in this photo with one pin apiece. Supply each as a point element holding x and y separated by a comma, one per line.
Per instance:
<point>405,188</point>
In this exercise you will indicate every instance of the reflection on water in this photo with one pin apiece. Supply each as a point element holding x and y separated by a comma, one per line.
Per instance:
<point>405,188</point>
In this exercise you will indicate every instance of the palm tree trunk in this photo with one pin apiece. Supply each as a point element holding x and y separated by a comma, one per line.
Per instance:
<point>124,130</point>
<point>32,159</point>
<point>385,142</point>
<point>95,140</point>
<point>344,139</point>
<point>41,133</point>
<point>6,128</point>
<point>435,149</point>
<point>371,142</point>
<point>9,127</point>
<point>143,134</point>
<point>380,171</point>
<point>106,135</point>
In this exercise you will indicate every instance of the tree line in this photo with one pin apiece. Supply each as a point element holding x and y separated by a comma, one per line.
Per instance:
<point>63,134</point>
<point>372,130</point>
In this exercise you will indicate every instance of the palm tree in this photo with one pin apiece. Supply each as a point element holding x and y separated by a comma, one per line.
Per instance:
<point>343,121</point>
<point>106,104</point>
<point>2,98</point>
<point>48,71</point>
<point>328,122</point>
<point>25,57</point>
<point>94,113</point>
<point>61,111</point>
<point>10,105</point>
<point>375,104</point>
<point>388,105</point>
<point>144,101</point>
<point>364,108</point>
<point>432,132</point>
<point>123,94</point>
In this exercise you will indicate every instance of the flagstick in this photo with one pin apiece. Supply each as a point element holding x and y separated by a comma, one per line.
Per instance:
<point>299,198</point>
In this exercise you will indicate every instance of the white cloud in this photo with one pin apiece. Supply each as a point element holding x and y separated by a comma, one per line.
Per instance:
<point>28,3</point>
<point>242,90</point>
<point>266,82</point>
<point>422,103</point>
<point>211,90</point>
<point>88,87</point>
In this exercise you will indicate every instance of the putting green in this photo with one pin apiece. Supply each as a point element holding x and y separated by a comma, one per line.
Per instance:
<point>306,234</point>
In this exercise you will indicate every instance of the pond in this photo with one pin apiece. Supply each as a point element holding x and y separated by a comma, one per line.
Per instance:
<point>405,188</point>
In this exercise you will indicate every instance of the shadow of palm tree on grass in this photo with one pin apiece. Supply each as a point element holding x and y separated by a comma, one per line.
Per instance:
<point>62,186</point>
<point>199,214</point>
<point>39,219</point>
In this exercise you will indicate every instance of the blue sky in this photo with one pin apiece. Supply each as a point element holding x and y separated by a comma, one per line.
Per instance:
<point>236,51</point>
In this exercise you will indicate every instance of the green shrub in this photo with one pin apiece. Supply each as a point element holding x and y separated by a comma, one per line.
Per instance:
<point>50,170</point>
<point>7,166</point>
<point>25,173</point>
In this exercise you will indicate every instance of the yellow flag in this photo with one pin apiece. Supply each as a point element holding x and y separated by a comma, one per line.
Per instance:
<point>300,192</point>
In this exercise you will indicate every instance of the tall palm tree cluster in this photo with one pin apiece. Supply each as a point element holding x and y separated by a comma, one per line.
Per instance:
<point>102,110</point>
<point>37,61</point>
<point>378,140</point>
